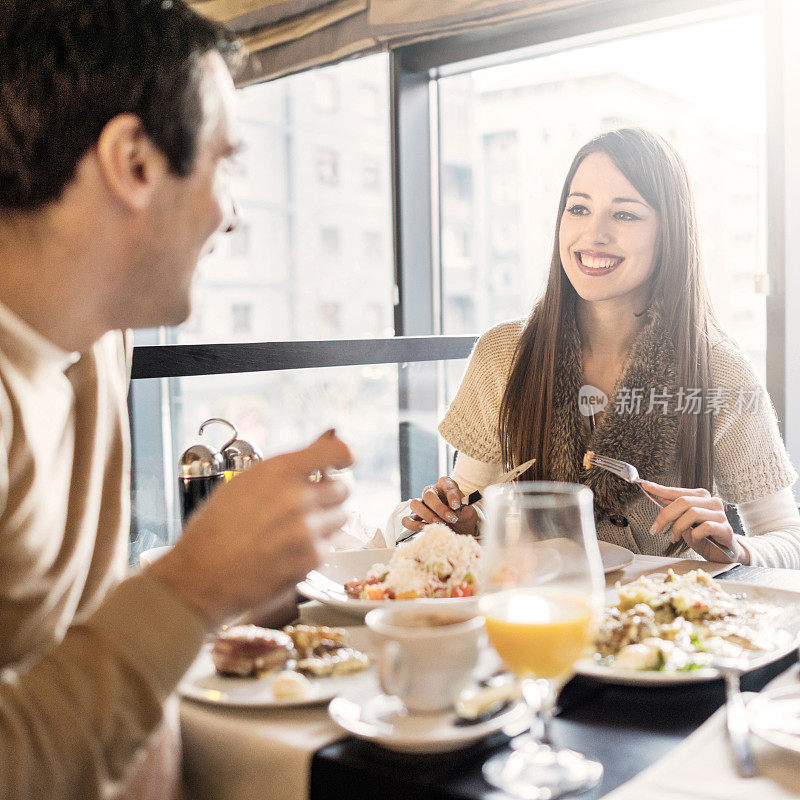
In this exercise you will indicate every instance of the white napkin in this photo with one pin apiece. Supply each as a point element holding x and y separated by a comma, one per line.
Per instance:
<point>357,535</point>
<point>394,526</point>
<point>702,767</point>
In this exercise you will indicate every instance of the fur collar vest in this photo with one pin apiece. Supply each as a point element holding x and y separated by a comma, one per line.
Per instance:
<point>629,429</point>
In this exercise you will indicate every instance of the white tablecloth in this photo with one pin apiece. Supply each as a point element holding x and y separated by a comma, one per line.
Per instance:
<point>701,767</point>
<point>261,754</point>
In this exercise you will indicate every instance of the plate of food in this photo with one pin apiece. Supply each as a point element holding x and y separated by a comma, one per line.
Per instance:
<point>250,666</point>
<point>436,566</point>
<point>666,628</point>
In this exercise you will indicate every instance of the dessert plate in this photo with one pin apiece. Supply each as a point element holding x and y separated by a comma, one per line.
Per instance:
<point>204,684</point>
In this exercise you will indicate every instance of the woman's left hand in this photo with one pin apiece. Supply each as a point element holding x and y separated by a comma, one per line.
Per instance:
<point>695,515</point>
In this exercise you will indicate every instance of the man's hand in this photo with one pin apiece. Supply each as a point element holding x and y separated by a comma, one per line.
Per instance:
<point>258,534</point>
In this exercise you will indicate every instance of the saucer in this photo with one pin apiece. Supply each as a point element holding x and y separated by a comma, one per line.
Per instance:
<point>383,720</point>
<point>775,716</point>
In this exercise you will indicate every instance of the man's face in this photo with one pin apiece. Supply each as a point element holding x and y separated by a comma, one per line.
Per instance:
<point>189,211</point>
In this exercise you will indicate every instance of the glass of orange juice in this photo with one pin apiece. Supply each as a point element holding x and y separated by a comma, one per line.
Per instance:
<point>542,591</point>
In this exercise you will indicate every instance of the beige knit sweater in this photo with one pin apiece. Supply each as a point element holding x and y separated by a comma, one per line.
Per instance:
<point>751,462</point>
<point>86,662</point>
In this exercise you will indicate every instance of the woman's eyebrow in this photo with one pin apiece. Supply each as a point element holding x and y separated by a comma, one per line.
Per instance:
<point>630,200</point>
<point>615,200</point>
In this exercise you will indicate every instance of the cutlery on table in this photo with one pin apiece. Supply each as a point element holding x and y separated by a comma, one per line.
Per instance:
<point>506,477</point>
<point>326,585</point>
<point>629,473</point>
<point>486,702</point>
<point>736,713</point>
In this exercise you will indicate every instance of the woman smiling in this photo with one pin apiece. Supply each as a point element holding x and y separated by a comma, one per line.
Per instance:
<point>626,316</point>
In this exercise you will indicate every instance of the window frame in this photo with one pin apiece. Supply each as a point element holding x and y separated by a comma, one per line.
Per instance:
<point>414,143</point>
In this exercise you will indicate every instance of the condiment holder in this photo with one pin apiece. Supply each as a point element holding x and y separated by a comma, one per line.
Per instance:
<point>202,468</point>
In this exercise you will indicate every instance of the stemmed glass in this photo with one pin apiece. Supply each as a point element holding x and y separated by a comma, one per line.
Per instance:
<point>542,590</point>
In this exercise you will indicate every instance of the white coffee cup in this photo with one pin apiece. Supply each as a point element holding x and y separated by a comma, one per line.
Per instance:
<point>426,655</point>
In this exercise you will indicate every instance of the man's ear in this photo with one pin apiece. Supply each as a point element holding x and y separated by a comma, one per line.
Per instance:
<point>131,165</point>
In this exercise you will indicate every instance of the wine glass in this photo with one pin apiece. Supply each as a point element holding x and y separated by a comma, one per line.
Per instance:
<point>542,591</point>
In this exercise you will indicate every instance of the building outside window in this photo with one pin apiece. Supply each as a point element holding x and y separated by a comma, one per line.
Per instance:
<point>326,92</point>
<point>327,167</point>
<point>330,241</point>
<point>241,318</point>
<point>371,174</point>
<point>294,292</point>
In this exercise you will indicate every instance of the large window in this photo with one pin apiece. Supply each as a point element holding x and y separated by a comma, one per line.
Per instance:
<point>469,194</point>
<point>309,261</point>
<point>509,133</point>
<point>313,190</point>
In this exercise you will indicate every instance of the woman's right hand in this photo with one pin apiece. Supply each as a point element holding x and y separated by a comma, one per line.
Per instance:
<point>442,502</point>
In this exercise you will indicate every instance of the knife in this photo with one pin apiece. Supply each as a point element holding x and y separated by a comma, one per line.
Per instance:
<point>511,475</point>
<point>506,477</point>
<point>736,718</point>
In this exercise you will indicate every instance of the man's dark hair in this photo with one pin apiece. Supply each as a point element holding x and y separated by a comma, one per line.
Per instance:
<point>67,67</point>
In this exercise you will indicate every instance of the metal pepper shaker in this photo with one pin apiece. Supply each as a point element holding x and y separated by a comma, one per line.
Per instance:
<point>200,470</point>
<point>240,455</point>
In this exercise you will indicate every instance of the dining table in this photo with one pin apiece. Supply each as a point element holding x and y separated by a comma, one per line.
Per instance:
<point>664,742</point>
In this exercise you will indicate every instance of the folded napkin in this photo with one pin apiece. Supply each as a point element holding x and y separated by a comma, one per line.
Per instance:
<point>702,767</point>
<point>356,534</point>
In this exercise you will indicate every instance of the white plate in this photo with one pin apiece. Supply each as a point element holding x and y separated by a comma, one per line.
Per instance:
<point>614,557</point>
<point>775,716</point>
<point>202,683</point>
<point>384,721</point>
<point>790,621</point>
<point>344,565</point>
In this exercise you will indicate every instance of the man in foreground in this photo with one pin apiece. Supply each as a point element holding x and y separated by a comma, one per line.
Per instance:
<point>115,130</point>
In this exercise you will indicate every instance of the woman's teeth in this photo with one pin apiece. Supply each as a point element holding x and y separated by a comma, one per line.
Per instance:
<point>598,262</point>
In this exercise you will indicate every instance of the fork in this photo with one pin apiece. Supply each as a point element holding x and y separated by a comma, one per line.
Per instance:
<point>629,473</point>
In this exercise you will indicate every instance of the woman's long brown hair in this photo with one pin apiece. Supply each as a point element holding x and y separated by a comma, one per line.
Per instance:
<point>678,289</point>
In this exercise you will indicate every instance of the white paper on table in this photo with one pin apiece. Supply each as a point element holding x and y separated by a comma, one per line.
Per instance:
<point>257,754</point>
<point>701,767</point>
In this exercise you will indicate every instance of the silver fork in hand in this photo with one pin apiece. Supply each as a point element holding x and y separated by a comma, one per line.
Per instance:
<point>629,473</point>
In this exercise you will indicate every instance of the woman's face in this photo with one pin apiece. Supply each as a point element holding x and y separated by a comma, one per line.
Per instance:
<point>608,235</point>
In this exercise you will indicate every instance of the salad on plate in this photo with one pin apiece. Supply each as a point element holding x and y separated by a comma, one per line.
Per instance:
<point>674,623</point>
<point>436,563</point>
